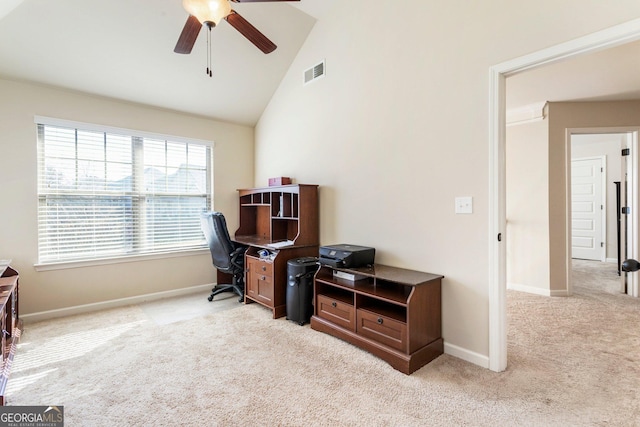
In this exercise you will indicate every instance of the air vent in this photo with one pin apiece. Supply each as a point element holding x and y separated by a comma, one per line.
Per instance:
<point>314,72</point>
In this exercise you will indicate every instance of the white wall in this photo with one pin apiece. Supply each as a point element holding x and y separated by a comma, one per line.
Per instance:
<point>51,290</point>
<point>527,182</point>
<point>399,127</point>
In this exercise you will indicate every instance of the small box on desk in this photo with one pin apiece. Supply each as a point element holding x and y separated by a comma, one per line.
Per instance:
<point>352,277</point>
<point>280,180</point>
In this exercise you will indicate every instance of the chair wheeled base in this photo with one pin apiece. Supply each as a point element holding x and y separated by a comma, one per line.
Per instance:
<point>234,287</point>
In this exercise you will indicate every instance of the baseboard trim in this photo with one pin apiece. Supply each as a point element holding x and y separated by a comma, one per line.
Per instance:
<point>103,305</point>
<point>528,289</point>
<point>467,355</point>
<point>537,291</point>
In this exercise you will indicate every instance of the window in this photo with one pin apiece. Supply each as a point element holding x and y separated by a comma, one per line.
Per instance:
<point>105,193</point>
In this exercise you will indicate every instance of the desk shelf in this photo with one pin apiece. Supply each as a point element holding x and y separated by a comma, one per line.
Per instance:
<point>284,212</point>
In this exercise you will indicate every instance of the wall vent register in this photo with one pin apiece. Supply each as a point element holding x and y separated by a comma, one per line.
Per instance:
<point>314,72</point>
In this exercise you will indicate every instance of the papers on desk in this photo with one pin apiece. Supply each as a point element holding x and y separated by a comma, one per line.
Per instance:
<point>282,244</point>
<point>4,263</point>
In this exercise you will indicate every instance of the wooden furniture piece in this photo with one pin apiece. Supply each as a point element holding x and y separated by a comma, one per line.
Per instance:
<point>393,313</point>
<point>284,221</point>
<point>11,324</point>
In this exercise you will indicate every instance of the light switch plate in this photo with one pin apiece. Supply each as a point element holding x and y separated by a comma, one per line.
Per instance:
<point>464,205</point>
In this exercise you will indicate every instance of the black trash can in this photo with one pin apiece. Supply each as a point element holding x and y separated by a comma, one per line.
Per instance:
<point>300,273</point>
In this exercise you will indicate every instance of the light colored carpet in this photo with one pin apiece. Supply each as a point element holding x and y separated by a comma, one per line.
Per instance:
<point>572,362</point>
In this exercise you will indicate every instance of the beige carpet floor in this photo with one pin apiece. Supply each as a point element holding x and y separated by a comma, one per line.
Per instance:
<point>573,361</point>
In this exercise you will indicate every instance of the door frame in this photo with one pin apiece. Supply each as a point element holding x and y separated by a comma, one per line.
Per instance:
<point>633,184</point>
<point>632,220</point>
<point>600,40</point>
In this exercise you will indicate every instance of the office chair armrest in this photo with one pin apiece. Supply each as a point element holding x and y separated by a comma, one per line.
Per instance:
<point>237,256</point>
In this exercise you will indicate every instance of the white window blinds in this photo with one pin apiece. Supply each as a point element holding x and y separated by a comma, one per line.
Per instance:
<point>105,194</point>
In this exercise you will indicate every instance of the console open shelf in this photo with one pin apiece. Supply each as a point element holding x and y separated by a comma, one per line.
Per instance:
<point>391,312</point>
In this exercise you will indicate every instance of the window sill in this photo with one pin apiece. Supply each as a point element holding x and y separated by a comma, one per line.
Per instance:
<point>116,260</point>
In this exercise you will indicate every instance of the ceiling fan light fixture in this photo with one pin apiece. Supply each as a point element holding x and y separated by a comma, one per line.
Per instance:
<point>208,11</point>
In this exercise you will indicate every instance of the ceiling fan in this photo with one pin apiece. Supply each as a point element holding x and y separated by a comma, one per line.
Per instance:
<point>209,13</point>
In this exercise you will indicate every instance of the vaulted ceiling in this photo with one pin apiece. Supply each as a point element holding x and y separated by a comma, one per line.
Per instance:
<point>123,49</point>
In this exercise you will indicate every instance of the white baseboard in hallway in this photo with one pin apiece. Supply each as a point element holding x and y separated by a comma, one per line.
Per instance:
<point>528,289</point>
<point>467,355</point>
<point>536,291</point>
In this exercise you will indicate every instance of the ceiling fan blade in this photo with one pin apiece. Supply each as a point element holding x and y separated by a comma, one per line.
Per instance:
<point>258,1</point>
<point>188,35</point>
<point>250,32</point>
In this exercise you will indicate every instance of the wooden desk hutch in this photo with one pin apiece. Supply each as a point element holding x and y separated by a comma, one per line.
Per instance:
<point>284,220</point>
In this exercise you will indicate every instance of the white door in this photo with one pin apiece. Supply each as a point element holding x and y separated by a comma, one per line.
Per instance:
<point>587,209</point>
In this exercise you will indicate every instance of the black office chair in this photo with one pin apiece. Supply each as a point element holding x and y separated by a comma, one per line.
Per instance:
<point>227,255</point>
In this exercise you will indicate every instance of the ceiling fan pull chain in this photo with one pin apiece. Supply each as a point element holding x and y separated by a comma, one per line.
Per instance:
<point>209,69</point>
<point>208,36</point>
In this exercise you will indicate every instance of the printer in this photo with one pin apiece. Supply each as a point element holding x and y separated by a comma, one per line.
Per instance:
<point>346,256</point>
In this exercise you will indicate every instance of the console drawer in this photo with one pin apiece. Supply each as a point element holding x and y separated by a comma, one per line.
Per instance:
<point>336,311</point>
<point>383,329</point>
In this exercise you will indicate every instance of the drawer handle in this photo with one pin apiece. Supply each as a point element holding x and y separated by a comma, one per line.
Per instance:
<point>334,304</point>
<point>264,268</point>
<point>380,320</point>
<point>263,277</point>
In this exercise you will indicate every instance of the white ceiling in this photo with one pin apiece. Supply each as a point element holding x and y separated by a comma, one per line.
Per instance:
<point>607,75</point>
<point>124,49</point>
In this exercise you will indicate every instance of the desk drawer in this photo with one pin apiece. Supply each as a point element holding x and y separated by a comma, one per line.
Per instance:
<point>263,268</point>
<point>383,329</point>
<point>336,311</point>
<point>258,266</point>
<point>259,281</point>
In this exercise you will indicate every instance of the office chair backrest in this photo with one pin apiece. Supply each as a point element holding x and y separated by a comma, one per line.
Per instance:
<point>214,227</point>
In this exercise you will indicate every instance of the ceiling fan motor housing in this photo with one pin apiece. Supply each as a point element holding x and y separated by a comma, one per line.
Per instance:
<point>209,12</point>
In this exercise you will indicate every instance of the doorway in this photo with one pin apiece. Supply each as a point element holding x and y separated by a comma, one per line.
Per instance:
<point>616,149</point>
<point>611,37</point>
